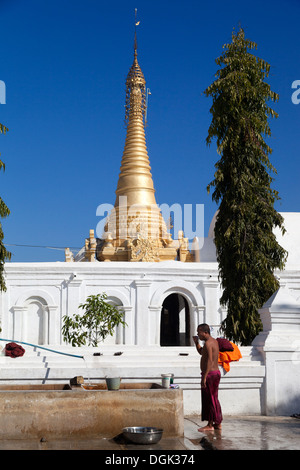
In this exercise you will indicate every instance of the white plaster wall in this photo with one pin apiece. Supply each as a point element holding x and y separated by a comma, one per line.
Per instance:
<point>257,383</point>
<point>139,287</point>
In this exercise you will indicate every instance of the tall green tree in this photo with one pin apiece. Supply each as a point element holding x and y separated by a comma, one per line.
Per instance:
<point>247,250</point>
<point>4,212</point>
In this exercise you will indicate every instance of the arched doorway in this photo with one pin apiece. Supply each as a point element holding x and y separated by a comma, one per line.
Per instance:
<point>175,321</point>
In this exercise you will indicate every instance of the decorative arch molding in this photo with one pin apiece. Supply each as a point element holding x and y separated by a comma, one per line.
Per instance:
<point>34,293</point>
<point>114,293</point>
<point>188,290</point>
<point>50,316</point>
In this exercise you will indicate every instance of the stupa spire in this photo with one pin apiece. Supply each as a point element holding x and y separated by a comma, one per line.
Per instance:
<point>135,229</point>
<point>135,179</point>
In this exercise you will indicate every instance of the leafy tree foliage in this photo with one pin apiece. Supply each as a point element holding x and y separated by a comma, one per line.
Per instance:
<point>4,212</point>
<point>247,249</point>
<point>95,324</point>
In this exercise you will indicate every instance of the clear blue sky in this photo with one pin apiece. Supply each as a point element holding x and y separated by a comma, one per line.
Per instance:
<point>64,64</point>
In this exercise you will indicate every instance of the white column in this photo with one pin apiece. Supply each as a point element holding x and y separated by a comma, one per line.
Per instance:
<point>197,318</point>
<point>45,324</point>
<point>129,328</point>
<point>18,333</point>
<point>54,324</point>
<point>142,333</point>
<point>154,325</point>
<point>212,317</point>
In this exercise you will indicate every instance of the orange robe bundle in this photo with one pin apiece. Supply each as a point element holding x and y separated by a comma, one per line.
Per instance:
<point>226,357</point>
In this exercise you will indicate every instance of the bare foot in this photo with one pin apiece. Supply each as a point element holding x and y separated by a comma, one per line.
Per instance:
<point>218,427</point>
<point>206,428</point>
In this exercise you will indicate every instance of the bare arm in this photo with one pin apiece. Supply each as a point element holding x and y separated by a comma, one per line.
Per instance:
<point>198,347</point>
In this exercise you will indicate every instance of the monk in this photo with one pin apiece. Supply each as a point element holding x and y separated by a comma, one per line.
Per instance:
<point>210,378</point>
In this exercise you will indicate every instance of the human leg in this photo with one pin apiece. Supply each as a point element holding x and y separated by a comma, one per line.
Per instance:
<point>211,408</point>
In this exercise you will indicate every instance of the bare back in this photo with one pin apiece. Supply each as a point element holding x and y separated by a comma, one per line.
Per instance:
<point>210,355</point>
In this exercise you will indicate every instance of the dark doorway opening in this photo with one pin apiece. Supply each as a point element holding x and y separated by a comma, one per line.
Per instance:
<point>175,321</point>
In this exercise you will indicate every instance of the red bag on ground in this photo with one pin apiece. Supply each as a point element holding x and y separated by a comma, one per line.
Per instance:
<point>14,350</point>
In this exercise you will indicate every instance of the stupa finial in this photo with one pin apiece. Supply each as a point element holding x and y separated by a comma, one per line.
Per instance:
<point>135,102</point>
<point>136,23</point>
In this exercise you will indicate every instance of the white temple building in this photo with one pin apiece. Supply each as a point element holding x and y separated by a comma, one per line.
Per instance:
<point>165,291</point>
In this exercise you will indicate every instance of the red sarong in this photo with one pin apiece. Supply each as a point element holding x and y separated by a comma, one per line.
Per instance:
<point>211,408</point>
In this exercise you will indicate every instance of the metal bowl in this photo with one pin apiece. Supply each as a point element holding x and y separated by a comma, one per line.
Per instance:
<point>143,435</point>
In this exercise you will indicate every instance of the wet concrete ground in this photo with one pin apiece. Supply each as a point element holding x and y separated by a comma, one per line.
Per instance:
<point>249,433</point>
<point>238,433</point>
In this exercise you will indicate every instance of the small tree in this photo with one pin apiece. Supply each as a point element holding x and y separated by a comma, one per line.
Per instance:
<point>95,324</point>
<point>247,249</point>
<point>4,212</point>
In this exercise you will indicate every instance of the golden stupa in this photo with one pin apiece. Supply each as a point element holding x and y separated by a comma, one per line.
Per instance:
<point>135,229</point>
